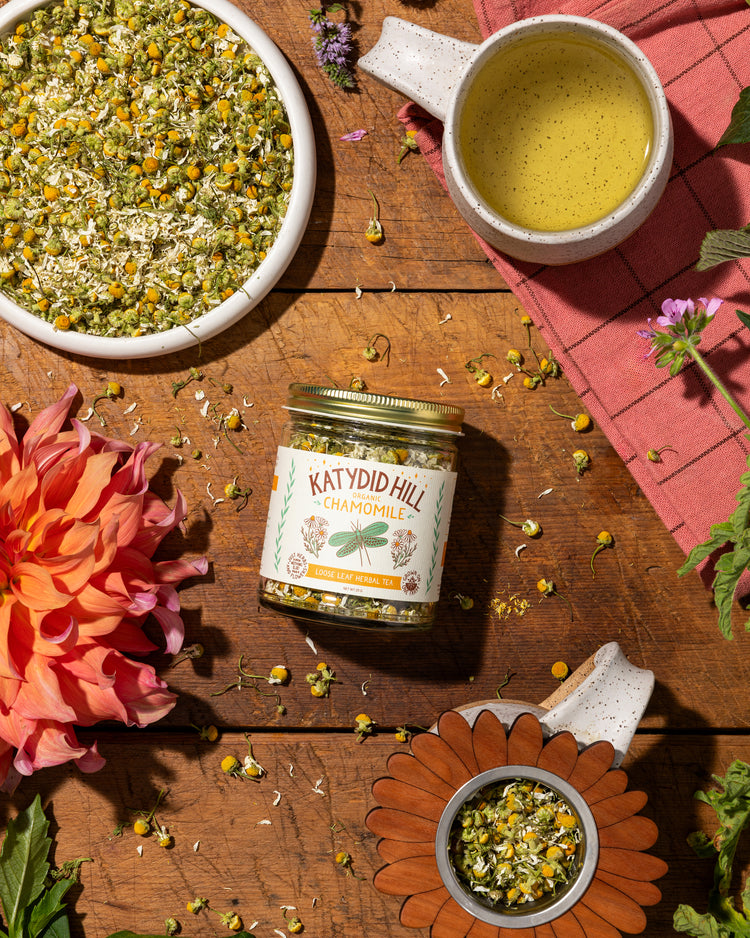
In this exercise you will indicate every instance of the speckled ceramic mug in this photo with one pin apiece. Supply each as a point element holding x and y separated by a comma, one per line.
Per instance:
<point>440,74</point>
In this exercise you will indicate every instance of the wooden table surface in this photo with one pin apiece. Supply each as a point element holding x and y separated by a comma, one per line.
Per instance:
<point>255,848</point>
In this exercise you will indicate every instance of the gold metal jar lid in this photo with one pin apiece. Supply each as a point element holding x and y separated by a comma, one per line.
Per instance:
<point>345,404</point>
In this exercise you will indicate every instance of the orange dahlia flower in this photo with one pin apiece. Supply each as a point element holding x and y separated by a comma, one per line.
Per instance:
<point>78,529</point>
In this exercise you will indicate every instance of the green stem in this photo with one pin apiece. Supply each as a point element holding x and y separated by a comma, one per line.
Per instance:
<point>702,364</point>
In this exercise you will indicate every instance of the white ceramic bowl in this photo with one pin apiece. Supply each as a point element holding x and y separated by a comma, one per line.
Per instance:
<point>266,274</point>
<point>438,72</point>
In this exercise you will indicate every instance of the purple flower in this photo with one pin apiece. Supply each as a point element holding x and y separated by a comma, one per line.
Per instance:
<point>646,333</point>
<point>674,311</point>
<point>711,305</point>
<point>333,47</point>
<point>354,135</point>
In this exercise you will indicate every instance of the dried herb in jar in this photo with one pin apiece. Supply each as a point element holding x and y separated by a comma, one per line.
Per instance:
<point>360,509</point>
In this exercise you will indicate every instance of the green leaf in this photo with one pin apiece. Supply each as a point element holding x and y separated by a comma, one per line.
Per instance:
<point>47,907</point>
<point>58,928</point>
<point>723,245</point>
<point>687,920</point>
<point>744,318</point>
<point>731,803</point>
<point>738,130</point>
<point>23,865</point>
<point>725,586</point>
<point>720,534</point>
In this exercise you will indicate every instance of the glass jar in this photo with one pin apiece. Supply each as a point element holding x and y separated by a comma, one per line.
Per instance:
<point>360,508</point>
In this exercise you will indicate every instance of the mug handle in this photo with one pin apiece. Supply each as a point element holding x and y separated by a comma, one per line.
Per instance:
<point>419,63</point>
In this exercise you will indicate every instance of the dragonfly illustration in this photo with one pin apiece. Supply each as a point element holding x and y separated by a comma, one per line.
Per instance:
<point>359,539</point>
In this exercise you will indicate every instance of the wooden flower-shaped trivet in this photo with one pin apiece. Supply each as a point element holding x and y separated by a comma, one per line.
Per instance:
<point>412,799</point>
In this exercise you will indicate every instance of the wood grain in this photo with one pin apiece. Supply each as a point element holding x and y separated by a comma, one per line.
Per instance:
<point>256,867</point>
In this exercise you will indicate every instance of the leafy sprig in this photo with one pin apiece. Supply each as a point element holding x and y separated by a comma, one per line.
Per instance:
<point>727,244</point>
<point>31,899</point>
<point>731,802</point>
<point>681,324</point>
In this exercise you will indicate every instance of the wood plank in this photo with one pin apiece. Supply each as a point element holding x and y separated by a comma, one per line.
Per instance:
<point>244,864</point>
<point>415,211</point>
<point>511,452</point>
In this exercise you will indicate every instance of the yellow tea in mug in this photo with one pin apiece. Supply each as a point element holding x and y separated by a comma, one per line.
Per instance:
<point>555,132</point>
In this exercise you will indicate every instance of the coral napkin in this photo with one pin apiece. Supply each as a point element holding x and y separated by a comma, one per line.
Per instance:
<point>589,312</point>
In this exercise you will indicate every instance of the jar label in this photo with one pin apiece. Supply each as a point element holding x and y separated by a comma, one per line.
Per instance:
<point>356,527</point>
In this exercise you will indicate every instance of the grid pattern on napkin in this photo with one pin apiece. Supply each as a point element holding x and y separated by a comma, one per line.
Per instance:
<point>589,312</point>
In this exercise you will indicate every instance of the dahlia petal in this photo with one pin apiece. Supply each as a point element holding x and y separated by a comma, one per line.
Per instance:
<point>172,626</point>
<point>82,432</point>
<point>49,421</point>
<point>8,667</point>
<point>149,539</point>
<point>127,510</point>
<point>40,694</point>
<point>129,638</point>
<point>167,596</point>
<point>9,775</point>
<point>173,571</point>
<point>145,696</point>
<point>64,548</point>
<point>34,587</point>
<point>58,629</point>
<point>91,761</point>
<point>141,604</point>
<point>106,548</point>
<point>93,475</point>
<point>51,743</point>
<point>9,688</point>
<point>106,685</point>
<point>20,491</point>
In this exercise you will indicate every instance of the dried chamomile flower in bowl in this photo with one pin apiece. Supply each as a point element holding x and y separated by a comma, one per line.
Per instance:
<point>157,171</point>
